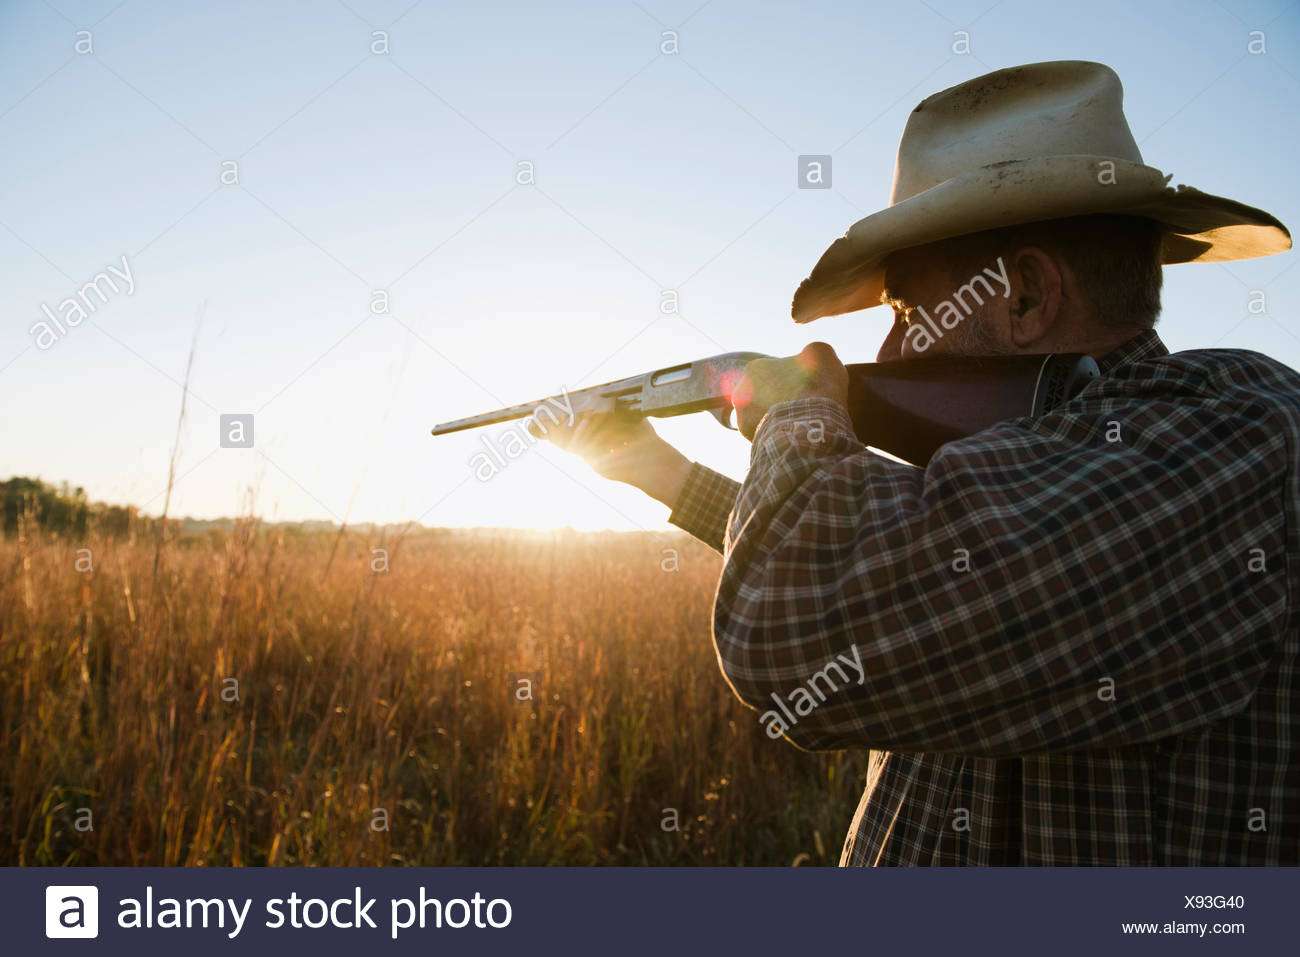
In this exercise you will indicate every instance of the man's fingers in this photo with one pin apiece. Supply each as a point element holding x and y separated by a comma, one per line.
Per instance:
<point>747,421</point>
<point>541,428</point>
<point>587,432</point>
<point>830,377</point>
<point>743,394</point>
<point>545,423</point>
<point>815,372</point>
<point>602,433</point>
<point>818,354</point>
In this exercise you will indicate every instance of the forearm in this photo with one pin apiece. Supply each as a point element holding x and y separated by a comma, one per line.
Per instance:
<point>703,504</point>
<point>664,481</point>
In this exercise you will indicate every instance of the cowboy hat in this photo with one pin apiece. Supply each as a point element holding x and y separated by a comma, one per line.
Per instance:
<point>1025,144</point>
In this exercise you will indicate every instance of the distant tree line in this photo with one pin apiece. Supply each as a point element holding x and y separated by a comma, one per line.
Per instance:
<point>64,510</point>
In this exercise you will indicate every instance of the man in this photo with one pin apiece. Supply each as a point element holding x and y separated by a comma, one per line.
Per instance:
<point>1070,639</point>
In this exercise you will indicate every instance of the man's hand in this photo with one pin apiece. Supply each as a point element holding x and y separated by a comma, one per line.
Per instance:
<point>815,372</point>
<point>624,448</point>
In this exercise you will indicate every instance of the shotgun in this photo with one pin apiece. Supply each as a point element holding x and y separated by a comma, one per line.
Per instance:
<point>908,408</point>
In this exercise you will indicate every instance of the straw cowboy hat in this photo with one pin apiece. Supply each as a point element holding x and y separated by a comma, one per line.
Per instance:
<point>1029,143</point>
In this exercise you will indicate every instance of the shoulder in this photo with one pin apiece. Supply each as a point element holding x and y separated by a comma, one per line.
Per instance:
<point>1172,407</point>
<point>1212,373</point>
<point>1202,388</point>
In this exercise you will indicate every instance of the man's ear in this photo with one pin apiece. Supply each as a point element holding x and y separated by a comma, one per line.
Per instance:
<point>1036,295</point>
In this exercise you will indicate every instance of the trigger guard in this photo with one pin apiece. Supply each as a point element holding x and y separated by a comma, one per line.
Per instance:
<point>724,417</point>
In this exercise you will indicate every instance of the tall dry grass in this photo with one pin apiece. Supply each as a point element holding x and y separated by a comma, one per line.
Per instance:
<point>362,690</point>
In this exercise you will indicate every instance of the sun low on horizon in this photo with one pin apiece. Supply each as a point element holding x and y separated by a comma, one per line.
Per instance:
<point>338,239</point>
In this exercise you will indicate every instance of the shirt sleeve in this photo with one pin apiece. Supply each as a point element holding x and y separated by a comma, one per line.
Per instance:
<point>1082,580</point>
<point>706,501</point>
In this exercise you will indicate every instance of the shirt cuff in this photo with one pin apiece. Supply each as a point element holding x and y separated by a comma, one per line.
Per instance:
<point>815,421</point>
<point>705,504</point>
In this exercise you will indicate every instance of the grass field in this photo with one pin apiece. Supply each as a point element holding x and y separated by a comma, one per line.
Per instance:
<point>261,697</point>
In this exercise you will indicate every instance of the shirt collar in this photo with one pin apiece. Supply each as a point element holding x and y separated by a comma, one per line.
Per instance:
<point>1144,345</point>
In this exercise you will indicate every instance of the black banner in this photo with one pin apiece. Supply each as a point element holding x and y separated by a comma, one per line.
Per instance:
<point>657,911</point>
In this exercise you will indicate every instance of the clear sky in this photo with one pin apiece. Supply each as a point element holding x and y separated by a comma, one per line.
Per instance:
<point>397,171</point>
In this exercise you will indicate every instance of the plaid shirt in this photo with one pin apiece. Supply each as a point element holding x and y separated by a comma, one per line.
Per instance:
<point>1075,633</point>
